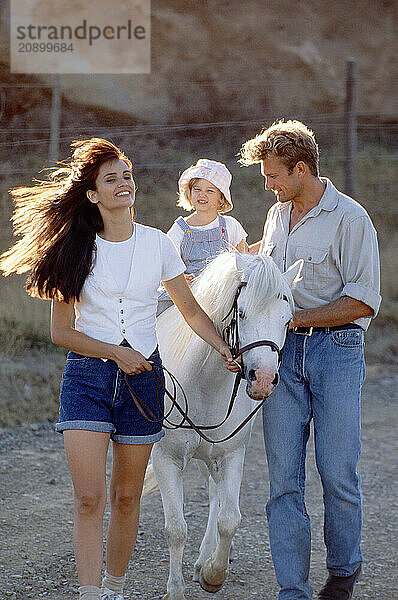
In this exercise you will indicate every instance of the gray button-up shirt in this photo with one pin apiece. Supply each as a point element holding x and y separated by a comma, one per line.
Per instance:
<point>338,243</point>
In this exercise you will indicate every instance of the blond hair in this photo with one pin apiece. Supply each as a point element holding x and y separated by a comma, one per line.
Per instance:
<point>290,141</point>
<point>184,197</point>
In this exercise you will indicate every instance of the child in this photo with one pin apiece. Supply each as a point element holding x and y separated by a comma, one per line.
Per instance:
<point>205,233</point>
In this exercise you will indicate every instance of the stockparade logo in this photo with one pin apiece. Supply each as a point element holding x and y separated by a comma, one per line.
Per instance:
<point>80,38</point>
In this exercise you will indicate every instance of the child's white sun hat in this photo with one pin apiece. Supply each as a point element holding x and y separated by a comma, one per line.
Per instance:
<point>212,171</point>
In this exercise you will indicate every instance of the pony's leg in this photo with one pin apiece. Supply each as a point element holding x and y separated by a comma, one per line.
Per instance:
<point>229,476</point>
<point>209,540</point>
<point>169,477</point>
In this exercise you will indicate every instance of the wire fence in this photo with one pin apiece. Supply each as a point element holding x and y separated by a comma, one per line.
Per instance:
<point>29,103</point>
<point>161,151</point>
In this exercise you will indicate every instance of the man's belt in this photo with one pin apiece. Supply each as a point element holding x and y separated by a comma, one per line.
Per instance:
<point>309,330</point>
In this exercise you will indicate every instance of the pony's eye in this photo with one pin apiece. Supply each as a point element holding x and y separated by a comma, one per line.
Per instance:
<point>242,314</point>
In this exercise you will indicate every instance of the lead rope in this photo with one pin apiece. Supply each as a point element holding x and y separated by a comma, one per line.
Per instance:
<point>143,408</point>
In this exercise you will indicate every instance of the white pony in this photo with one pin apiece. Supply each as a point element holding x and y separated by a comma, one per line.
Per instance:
<point>265,308</point>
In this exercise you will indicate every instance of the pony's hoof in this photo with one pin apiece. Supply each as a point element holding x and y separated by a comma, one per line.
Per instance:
<point>169,596</point>
<point>231,553</point>
<point>196,574</point>
<point>208,587</point>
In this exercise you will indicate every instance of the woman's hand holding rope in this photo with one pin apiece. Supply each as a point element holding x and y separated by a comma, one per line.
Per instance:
<point>130,361</point>
<point>231,364</point>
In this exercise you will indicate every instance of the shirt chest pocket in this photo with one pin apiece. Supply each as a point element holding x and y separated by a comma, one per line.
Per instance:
<point>316,268</point>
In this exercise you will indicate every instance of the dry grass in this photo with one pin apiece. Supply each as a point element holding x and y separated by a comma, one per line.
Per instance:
<point>377,191</point>
<point>21,316</point>
<point>31,367</point>
<point>30,386</point>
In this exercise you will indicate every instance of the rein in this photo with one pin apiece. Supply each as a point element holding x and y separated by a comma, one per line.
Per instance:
<point>230,335</point>
<point>186,422</point>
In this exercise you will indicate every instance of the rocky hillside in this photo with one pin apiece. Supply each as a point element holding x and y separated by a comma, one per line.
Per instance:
<point>232,60</point>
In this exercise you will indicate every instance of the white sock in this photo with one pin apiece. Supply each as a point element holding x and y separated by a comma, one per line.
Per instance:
<point>89,592</point>
<point>113,583</point>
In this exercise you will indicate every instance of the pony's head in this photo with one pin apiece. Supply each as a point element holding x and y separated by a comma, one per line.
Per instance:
<point>265,307</point>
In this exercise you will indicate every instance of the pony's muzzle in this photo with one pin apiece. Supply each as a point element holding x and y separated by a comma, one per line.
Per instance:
<point>260,383</point>
<point>263,377</point>
<point>251,375</point>
<point>275,380</point>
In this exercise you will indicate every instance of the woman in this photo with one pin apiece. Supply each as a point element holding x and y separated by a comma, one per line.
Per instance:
<point>84,252</point>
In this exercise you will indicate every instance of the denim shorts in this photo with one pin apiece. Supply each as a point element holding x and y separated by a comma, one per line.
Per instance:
<point>94,397</point>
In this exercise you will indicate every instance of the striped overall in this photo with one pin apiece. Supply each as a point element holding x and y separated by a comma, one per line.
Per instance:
<point>198,247</point>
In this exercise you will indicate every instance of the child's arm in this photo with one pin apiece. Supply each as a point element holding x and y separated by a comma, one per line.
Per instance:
<point>254,248</point>
<point>236,234</point>
<point>242,247</point>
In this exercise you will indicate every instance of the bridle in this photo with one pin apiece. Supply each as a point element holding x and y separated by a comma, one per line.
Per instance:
<point>230,335</point>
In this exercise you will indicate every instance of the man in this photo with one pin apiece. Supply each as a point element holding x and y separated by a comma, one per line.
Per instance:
<point>323,367</point>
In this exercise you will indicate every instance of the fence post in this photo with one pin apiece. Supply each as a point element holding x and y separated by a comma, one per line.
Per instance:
<point>350,122</point>
<point>5,16</point>
<point>55,120</point>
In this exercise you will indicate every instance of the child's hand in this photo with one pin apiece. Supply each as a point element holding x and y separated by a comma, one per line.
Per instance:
<point>189,277</point>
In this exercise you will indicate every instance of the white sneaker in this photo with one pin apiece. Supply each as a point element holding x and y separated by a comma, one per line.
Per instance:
<point>107,594</point>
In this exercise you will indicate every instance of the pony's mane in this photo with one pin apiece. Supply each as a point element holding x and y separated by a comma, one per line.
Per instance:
<point>215,291</point>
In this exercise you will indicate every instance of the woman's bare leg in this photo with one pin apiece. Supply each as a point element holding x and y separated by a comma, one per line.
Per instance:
<point>86,453</point>
<point>128,472</point>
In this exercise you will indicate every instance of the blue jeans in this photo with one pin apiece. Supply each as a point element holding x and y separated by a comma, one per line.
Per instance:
<point>320,378</point>
<point>95,397</point>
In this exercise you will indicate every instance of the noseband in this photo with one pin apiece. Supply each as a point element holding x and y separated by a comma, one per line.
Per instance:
<point>231,335</point>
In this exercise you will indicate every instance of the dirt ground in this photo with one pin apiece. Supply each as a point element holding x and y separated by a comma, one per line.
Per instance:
<point>36,559</point>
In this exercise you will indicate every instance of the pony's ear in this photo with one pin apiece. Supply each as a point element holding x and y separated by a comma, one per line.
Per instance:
<point>245,264</point>
<point>293,274</point>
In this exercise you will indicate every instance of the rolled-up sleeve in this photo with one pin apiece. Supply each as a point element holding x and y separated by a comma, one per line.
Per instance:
<point>360,264</point>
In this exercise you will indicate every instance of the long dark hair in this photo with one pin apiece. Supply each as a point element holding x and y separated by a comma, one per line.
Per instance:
<point>58,224</point>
